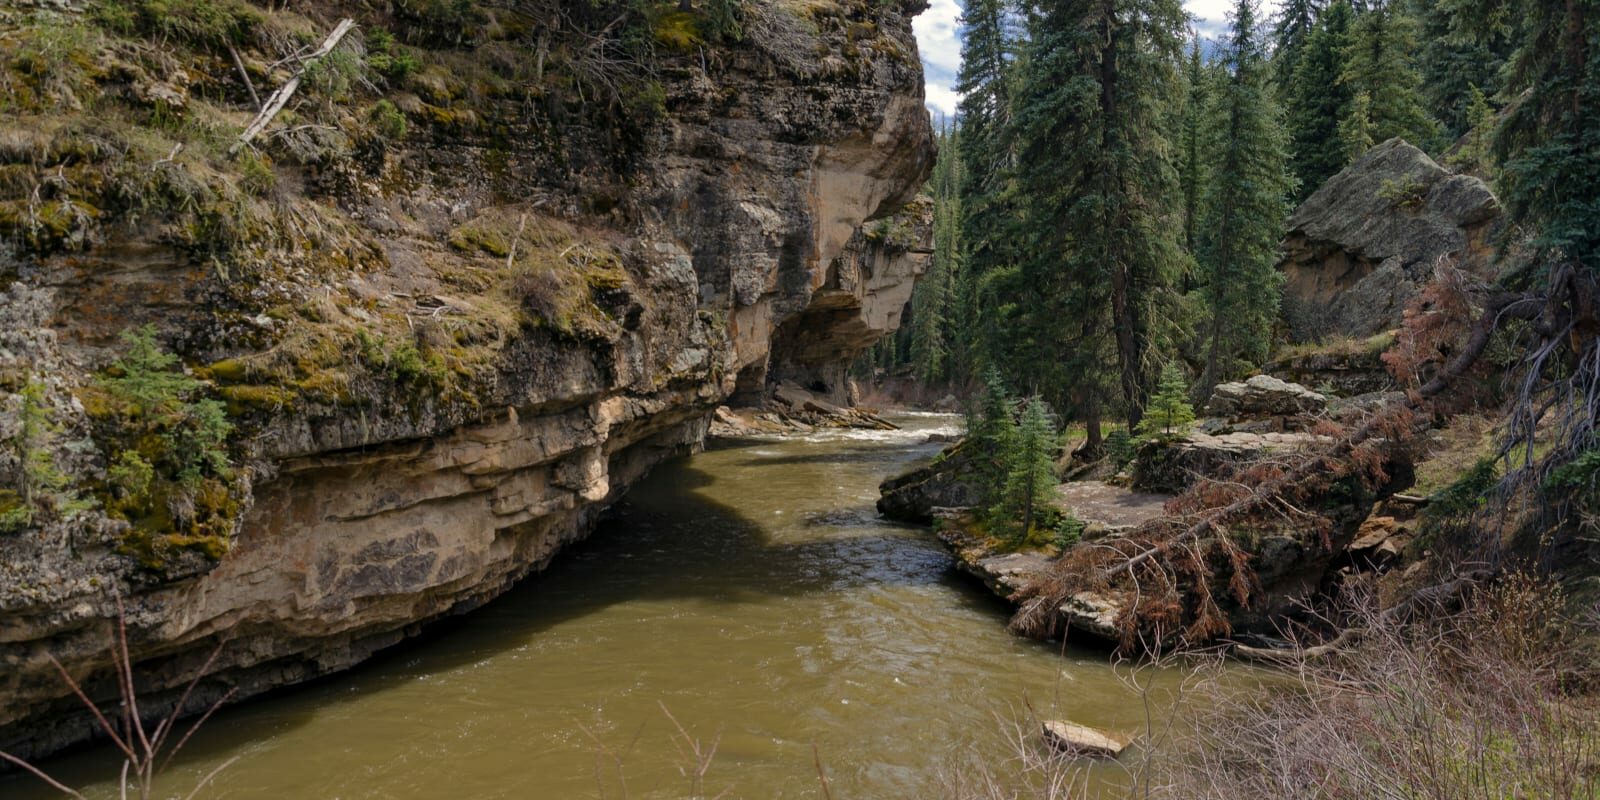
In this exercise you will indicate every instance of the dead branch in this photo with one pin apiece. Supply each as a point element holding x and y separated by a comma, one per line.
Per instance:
<point>280,98</point>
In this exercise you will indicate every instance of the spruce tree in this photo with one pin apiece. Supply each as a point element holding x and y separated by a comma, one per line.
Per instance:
<point>1291,30</point>
<point>1245,206</point>
<point>1100,204</point>
<point>985,151</point>
<point>1380,65</point>
<point>930,335</point>
<point>1029,465</point>
<point>1355,130</point>
<point>1457,55</point>
<point>1170,414</point>
<point>1319,101</point>
<point>1191,161</point>
<point>1549,143</point>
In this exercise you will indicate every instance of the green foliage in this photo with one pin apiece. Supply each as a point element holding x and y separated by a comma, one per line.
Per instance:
<point>402,362</point>
<point>1402,192</point>
<point>1170,414</point>
<point>388,58</point>
<point>334,75</point>
<point>143,379</point>
<point>725,19</point>
<point>210,24</point>
<point>1121,448</point>
<point>256,176</point>
<point>387,121</point>
<point>1477,146</point>
<point>1192,163</point>
<point>1458,57</point>
<point>131,476</point>
<point>1381,65</point>
<point>156,400</point>
<point>1355,130</point>
<point>1466,495</point>
<point>1246,202</point>
<point>1296,21</point>
<point>43,490</point>
<point>1098,223</point>
<point>1549,143</point>
<point>1028,465</point>
<point>172,477</point>
<point>1319,99</point>
<point>1578,473</point>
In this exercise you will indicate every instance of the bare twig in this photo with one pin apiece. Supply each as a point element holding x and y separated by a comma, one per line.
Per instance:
<point>280,98</point>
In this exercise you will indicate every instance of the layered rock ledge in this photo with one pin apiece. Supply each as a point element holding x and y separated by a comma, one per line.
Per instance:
<point>755,240</point>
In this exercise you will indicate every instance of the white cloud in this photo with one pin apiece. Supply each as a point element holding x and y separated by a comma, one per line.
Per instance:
<point>939,40</point>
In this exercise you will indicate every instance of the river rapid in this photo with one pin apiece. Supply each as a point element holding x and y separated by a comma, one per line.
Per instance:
<point>750,592</point>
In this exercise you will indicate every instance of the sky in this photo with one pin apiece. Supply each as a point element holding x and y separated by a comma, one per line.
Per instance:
<point>939,39</point>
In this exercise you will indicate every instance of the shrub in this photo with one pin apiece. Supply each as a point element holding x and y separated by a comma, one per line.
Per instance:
<point>387,121</point>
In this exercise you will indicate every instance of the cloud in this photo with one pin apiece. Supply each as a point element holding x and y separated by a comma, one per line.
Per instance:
<point>939,40</point>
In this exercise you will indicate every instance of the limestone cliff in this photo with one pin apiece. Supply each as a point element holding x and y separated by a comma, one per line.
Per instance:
<point>453,306</point>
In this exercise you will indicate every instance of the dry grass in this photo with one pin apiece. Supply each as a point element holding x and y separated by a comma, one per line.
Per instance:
<point>1482,703</point>
<point>1338,346</point>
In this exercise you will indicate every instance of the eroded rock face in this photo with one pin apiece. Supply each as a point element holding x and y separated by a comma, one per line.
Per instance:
<point>1263,396</point>
<point>379,504</point>
<point>1360,246</point>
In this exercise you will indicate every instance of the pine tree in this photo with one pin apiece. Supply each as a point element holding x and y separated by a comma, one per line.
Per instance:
<point>1476,154</point>
<point>1191,163</point>
<point>990,426</point>
<point>1456,57</point>
<point>1355,130</point>
<point>1549,143</point>
<point>1100,203</point>
<point>1245,206</point>
<point>931,338</point>
<point>1291,30</point>
<point>1380,65</point>
<point>1170,414</point>
<point>1029,464</point>
<point>987,65</point>
<point>1319,101</point>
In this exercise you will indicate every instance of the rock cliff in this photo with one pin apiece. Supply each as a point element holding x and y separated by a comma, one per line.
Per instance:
<point>1360,246</point>
<point>448,326</point>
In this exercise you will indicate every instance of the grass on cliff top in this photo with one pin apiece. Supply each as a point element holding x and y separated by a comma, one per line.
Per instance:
<point>1338,346</point>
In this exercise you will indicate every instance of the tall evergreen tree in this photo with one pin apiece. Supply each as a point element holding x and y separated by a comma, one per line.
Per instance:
<point>1099,192</point>
<point>1191,161</point>
<point>931,336</point>
<point>1380,65</point>
<point>1319,100</point>
<point>1549,144</point>
<point>987,59</point>
<point>1292,28</point>
<point>1246,206</point>
<point>1454,55</point>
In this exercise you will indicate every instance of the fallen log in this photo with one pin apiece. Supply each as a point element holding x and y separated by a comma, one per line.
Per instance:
<point>280,98</point>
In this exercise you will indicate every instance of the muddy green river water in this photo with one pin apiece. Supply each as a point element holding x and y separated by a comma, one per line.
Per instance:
<point>751,591</point>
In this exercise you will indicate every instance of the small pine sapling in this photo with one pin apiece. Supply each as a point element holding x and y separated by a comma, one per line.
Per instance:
<point>1169,415</point>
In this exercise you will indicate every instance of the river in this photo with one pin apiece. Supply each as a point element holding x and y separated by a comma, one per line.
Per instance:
<point>750,591</point>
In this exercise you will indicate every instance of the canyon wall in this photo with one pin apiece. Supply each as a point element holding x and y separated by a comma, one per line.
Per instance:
<point>442,357</point>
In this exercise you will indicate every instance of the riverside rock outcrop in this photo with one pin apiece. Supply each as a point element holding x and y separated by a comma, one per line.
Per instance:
<point>445,356</point>
<point>1360,246</point>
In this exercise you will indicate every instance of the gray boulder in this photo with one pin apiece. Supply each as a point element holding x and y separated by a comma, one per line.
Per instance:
<point>1263,396</point>
<point>1360,247</point>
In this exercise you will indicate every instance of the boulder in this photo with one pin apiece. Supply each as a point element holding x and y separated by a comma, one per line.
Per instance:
<point>943,482</point>
<point>1359,247</point>
<point>1070,738</point>
<point>1263,396</point>
<point>1172,467</point>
